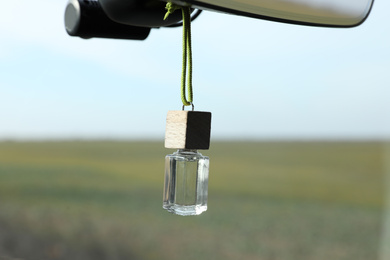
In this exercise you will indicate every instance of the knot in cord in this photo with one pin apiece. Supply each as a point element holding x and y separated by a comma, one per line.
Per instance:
<point>170,7</point>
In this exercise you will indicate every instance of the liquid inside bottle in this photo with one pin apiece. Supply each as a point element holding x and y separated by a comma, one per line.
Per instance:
<point>186,182</point>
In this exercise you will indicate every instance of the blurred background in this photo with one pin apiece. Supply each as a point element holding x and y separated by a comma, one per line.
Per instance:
<point>299,152</point>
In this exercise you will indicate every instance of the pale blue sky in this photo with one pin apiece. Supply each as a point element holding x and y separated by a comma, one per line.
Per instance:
<point>260,79</point>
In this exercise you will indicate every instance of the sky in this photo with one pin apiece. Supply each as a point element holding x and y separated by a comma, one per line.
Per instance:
<point>260,79</point>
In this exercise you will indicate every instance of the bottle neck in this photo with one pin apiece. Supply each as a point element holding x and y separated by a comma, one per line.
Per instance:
<point>187,151</point>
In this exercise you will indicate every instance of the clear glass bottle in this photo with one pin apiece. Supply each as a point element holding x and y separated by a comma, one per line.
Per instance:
<point>186,182</point>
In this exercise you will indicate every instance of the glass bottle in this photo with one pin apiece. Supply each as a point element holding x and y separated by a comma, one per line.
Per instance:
<point>186,182</point>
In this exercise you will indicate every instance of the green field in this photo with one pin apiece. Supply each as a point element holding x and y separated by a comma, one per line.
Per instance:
<point>267,201</point>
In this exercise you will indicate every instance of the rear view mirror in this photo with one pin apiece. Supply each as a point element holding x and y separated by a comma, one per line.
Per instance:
<point>327,13</point>
<point>133,19</point>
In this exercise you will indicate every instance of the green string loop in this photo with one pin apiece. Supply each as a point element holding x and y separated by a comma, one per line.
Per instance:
<point>187,52</point>
<point>187,58</point>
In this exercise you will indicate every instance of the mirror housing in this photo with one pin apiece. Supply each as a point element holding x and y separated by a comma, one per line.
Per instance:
<point>324,13</point>
<point>133,19</point>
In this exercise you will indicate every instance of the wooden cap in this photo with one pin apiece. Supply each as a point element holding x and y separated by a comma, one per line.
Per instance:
<point>188,130</point>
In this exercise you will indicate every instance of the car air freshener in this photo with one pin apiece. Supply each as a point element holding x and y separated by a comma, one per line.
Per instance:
<point>187,170</point>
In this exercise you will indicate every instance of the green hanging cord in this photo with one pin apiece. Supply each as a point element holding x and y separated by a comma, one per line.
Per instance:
<point>187,58</point>
<point>187,52</point>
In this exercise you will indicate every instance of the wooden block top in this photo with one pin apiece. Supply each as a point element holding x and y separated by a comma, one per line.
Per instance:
<point>188,130</point>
